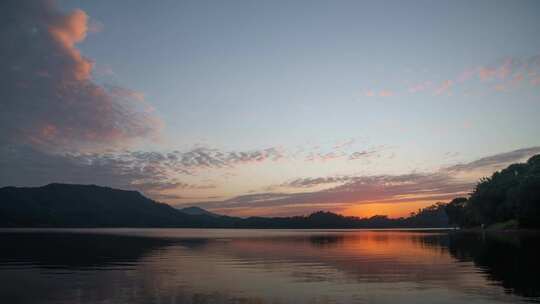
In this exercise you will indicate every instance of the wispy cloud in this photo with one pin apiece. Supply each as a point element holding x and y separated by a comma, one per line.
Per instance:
<point>420,87</point>
<point>381,93</point>
<point>444,87</point>
<point>344,155</point>
<point>441,185</point>
<point>505,74</point>
<point>214,158</point>
<point>496,72</point>
<point>344,144</point>
<point>311,182</point>
<point>495,162</point>
<point>386,93</point>
<point>160,175</point>
<point>501,75</point>
<point>365,154</point>
<point>357,190</point>
<point>327,156</point>
<point>467,74</point>
<point>150,172</point>
<point>342,150</point>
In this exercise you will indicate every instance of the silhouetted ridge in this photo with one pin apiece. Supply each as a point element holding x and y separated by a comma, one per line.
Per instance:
<point>69,205</point>
<point>198,211</point>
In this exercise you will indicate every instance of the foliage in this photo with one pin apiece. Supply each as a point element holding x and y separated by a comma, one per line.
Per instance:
<point>510,194</point>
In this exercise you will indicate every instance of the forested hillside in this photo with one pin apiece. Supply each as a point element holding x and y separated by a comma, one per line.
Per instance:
<point>510,195</point>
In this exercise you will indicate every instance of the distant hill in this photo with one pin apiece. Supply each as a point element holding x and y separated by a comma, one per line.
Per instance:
<point>198,211</point>
<point>67,205</point>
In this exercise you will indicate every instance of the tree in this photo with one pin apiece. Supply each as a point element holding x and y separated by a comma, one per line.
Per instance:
<point>528,195</point>
<point>510,194</point>
<point>456,211</point>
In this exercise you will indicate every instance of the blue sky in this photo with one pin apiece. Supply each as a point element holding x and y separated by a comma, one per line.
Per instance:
<point>412,87</point>
<point>242,74</point>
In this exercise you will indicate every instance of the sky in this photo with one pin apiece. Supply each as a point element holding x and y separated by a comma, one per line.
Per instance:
<point>269,107</point>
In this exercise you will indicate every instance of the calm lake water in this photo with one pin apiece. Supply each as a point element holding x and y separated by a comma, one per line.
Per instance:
<point>267,266</point>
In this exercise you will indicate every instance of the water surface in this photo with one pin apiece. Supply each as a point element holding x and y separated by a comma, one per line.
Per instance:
<point>267,266</point>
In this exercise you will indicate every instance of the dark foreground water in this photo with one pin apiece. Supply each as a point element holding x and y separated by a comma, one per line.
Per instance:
<point>267,266</point>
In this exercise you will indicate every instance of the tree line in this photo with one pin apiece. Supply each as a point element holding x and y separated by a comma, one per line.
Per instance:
<point>511,195</point>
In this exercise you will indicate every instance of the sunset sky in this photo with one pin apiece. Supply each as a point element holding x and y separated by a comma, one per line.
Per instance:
<point>269,107</point>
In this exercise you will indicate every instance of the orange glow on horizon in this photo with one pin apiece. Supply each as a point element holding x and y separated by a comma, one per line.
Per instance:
<point>392,210</point>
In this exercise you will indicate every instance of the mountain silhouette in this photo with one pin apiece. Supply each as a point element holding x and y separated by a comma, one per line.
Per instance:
<point>193,210</point>
<point>69,205</point>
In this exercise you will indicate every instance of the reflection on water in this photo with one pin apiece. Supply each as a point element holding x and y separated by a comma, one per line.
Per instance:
<point>506,259</point>
<point>267,266</point>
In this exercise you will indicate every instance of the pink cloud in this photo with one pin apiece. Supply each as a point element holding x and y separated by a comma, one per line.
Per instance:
<point>500,87</point>
<point>504,75</point>
<point>68,30</point>
<point>370,93</point>
<point>420,87</point>
<point>444,87</point>
<point>486,73</point>
<point>466,75</point>
<point>517,79</point>
<point>500,72</point>
<point>53,102</point>
<point>386,93</point>
<point>382,93</point>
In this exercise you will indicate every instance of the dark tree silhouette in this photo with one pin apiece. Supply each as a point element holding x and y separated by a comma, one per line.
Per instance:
<point>455,211</point>
<point>510,194</point>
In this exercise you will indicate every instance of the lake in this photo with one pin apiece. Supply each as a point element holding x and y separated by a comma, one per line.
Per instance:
<point>267,266</point>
